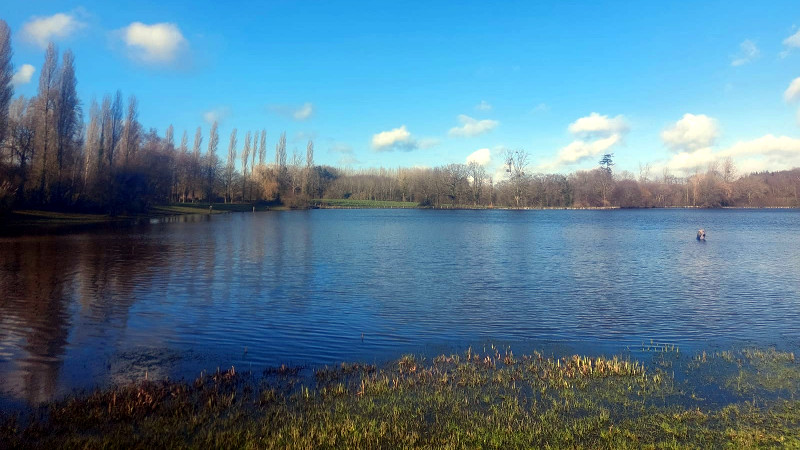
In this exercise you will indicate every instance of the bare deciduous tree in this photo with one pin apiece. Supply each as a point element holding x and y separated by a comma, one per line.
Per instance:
<point>262,150</point>
<point>6,73</point>
<point>280,163</point>
<point>230,167</point>
<point>68,119</point>
<point>211,162</point>
<point>245,161</point>
<point>477,175</point>
<point>308,173</point>
<point>45,105</point>
<point>131,131</point>
<point>516,163</point>
<point>114,128</point>
<point>92,156</point>
<point>22,129</point>
<point>196,169</point>
<point>184,146</point>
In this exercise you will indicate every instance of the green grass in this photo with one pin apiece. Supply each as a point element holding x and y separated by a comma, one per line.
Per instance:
<point>21,219</point>
<point>37,216</point>
<point>350,203</point>
<point>190,208</point>
<point>489,399</point>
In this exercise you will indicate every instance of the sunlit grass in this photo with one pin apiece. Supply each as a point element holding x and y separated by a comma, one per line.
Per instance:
<point>475,399</point>
<point>351,203</point>
<point>189,208</point>
<point>39,216</point>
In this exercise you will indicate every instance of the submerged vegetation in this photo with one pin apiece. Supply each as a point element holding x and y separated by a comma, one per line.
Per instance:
<point>494,398</point>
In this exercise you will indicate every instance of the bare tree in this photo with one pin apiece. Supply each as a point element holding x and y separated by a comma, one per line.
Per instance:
<point>184,146</point>
<point>280,163</point>
<point>6,73</point>
<point>68,118</point>
<point>309,185</point>
<point>477,175</point>
<point>253,154</point>
<point>196,177</point>
<point>516,163</point>
<point>131,131</point>
<point>245,161</point>
<point>262,150</point>
<point>22,129</point>
<point>169,137</point>
<point>105,135</point>
<point>114,128</point>
<point>93,157</point>
<point>230,167</point>
<point>295,173</point>
<point>211,162</point>
<point>198,142</point>
<point>45,105</point>
<point>455,180</point>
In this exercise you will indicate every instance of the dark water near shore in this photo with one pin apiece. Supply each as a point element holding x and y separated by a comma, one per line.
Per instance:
<point>318,287</point>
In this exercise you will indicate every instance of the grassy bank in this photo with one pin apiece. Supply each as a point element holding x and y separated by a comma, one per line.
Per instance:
<point>742,399</point>
<point>24,221</point>
<point>350,203</point>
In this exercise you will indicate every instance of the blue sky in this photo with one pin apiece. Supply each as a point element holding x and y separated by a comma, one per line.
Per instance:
<point>427,83</point>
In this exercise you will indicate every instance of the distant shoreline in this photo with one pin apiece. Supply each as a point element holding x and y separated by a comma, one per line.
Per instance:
<point>31,221</point>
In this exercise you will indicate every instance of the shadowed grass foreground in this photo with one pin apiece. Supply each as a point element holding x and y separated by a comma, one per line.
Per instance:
<point>739,399</point>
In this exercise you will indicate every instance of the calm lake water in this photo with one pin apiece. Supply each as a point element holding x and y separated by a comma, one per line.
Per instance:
<point>319,287</point>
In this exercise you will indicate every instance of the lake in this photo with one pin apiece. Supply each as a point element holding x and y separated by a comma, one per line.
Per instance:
<point>254,290</point>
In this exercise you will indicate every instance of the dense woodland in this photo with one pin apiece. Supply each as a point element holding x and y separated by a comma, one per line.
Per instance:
<point>56,155</point>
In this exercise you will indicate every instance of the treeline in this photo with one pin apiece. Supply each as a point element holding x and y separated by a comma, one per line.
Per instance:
<point>51,158</point>
<point>469,185</point>
<point>463,185</point>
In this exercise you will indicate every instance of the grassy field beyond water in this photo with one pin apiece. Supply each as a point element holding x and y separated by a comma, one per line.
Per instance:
<point>493,398</point>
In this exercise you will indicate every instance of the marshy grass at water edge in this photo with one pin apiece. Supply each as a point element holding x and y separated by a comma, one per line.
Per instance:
<point>494,398</point>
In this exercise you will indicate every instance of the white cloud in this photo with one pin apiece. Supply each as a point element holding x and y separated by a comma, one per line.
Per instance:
<point>748,51</point>
<point>345,152</point>
<point>23,75</point>
<point>428,142</point>
<point>767,152</point>
<point>304,112</point>
<point>299,113</point>
<point>340,147</point>
<point>687,161</point>
<point>155,44</point>
<point>596,125</point>
<point>395,139</point>
<point>595,134</point>
<point>540,108</point>
<point>42,30</point>
<point>471,127</point>
<point>768,145</point>
<point>793,40</point>
<point>690,133</point>
<point>217,114</point>
<point>790,43</point>
<point>483,106</point>
<point>793,91</point>
<point>348,160</point>
<point>483,157</point>
<point>579,150</point>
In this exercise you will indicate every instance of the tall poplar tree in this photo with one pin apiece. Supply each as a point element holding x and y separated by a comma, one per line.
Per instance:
<point>6,73</point>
